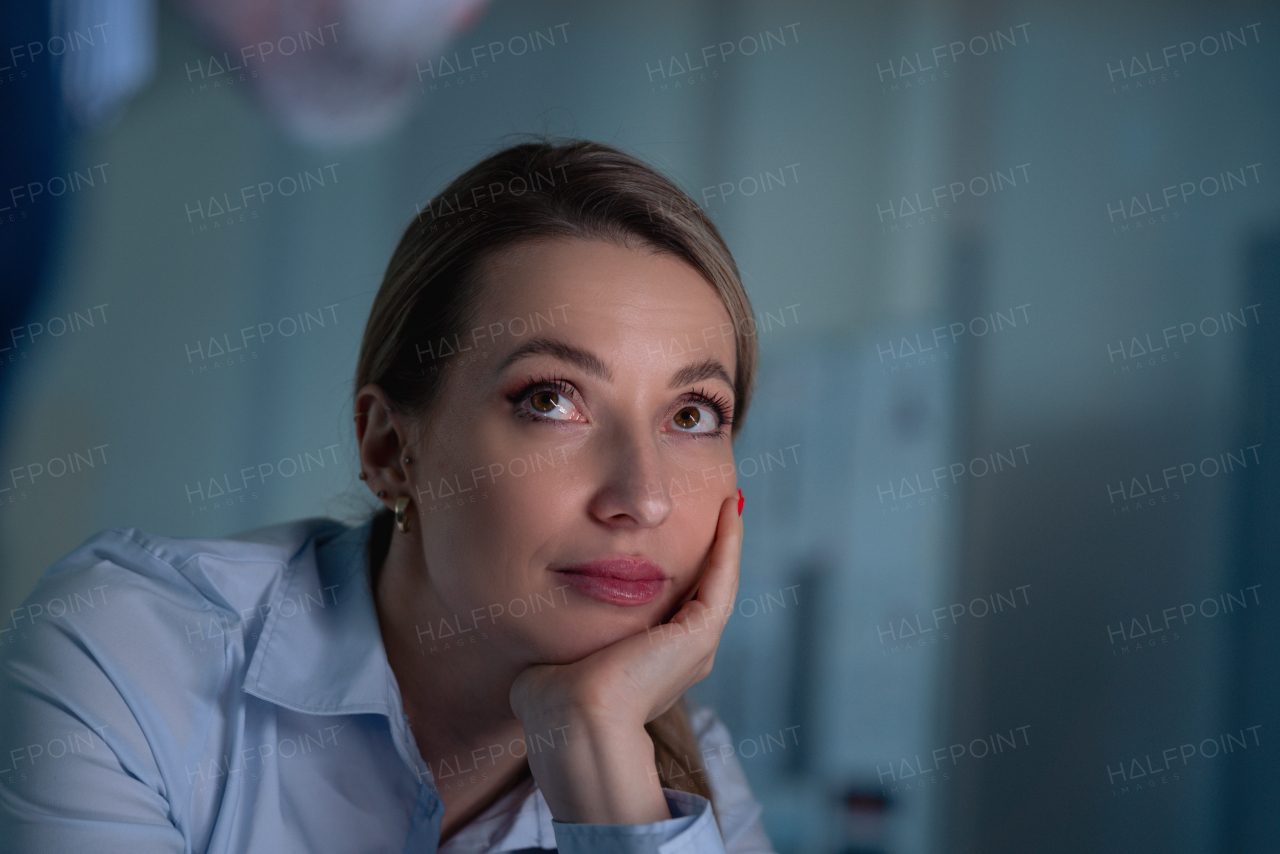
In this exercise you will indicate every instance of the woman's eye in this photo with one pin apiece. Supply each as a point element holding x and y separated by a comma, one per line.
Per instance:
<point>695,419</point>
<point>553,405</point>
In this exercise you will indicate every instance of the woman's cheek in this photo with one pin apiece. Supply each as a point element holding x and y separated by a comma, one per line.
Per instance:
<point>699,475</point>
<point>695,517</point>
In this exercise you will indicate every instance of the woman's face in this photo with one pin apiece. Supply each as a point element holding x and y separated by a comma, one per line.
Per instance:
<point>568,482</point>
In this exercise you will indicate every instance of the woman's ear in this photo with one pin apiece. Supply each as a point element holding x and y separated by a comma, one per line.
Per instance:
<point>382,440</point>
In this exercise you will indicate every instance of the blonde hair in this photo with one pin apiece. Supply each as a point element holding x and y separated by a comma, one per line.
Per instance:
<point>433,285</point>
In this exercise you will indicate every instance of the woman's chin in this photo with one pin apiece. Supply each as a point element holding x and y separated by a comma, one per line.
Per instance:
<point>581,639</point>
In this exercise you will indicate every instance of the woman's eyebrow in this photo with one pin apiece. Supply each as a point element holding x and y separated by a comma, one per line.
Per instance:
<point>591,363</point>
<point>584,359</point>
<point>707,369</point>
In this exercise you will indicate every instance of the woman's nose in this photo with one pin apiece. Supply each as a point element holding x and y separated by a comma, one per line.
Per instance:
<point>632,491</point>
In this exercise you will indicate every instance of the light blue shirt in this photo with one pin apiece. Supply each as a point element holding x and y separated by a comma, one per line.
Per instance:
<point>233,695</point>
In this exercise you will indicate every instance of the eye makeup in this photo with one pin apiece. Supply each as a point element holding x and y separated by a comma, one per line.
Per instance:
<point>559,386</point>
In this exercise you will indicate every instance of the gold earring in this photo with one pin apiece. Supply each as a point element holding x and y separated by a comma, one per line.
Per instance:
<point>402,522</point>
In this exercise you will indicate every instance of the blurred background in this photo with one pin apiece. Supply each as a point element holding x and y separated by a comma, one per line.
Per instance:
<point>1010,573</point>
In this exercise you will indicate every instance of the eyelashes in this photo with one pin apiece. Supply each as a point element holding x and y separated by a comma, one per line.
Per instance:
<point>716,403</point>
<point>555,384</point>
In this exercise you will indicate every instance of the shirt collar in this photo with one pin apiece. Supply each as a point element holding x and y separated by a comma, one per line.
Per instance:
<point>518,821</point>
<point>320,651</point>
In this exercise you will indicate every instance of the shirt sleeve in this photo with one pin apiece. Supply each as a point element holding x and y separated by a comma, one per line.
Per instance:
<point>692,828</point>
<point>77,772</point>
<point>734,827</point>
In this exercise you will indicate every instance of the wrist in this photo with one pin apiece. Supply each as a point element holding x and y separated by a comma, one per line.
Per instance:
<point>599,773</point>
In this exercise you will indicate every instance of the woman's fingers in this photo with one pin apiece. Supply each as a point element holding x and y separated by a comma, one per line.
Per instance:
<point>720,584</point>
<point>718,589</point>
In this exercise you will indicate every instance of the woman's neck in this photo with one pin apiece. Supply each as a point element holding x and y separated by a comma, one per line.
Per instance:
<point>455,689</point>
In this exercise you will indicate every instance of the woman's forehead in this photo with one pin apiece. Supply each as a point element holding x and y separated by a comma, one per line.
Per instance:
<point>597,281</point>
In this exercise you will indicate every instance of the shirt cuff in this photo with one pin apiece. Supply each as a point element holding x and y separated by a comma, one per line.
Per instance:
<point>692,828</point>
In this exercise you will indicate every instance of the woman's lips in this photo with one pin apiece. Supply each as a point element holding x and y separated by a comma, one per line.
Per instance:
<point>618,581</point>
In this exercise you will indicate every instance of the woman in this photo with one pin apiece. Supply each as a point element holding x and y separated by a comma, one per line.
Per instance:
<point>547,390</point>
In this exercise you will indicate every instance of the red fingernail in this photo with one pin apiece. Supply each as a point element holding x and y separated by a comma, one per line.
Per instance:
<point>741,501</point>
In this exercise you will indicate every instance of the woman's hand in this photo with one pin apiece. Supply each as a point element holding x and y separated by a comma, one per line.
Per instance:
<point>604,772</point>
